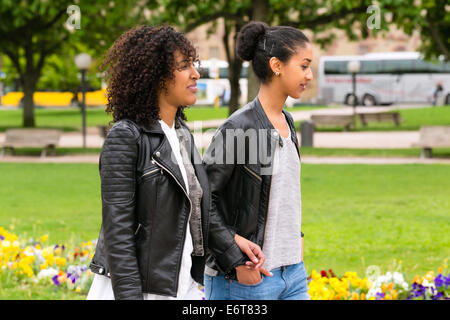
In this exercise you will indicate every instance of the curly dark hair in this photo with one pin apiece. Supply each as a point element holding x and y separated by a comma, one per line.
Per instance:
<point>137,66</point>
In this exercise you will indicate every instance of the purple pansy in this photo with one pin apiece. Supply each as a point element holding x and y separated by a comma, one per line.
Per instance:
<point>379,295</point>
<point>55,280</point>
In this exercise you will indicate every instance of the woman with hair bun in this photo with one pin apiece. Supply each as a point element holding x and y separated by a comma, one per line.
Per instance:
<point>156,222</point>
<point>259,197</point>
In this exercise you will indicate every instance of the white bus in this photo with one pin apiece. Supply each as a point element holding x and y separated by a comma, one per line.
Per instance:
<point>384,78</point>
<point>213,83</point>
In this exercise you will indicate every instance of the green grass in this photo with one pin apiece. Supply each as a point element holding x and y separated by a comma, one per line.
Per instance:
<point>70,119</point>
<point>59,151</point>
<point>61,200</point>
<point>411,119</point>
<point>353,216</point>
<point>386,153</point>
<point>64,119</point>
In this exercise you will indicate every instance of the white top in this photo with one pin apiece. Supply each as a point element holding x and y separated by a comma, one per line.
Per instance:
<point>101,288</point>
<point>282,240</point>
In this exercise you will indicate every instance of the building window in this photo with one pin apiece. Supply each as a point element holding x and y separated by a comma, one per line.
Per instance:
<point>214,52</point>
<point>363,49</point>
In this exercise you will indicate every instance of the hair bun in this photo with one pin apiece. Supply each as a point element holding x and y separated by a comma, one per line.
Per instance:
<point>248,38</point>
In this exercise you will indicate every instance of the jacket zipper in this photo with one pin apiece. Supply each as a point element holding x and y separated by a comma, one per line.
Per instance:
<point>139,226</point>
<point>150,172</point>
<point>187,220</point>
<point>267,213</point>
<point>254,174</point>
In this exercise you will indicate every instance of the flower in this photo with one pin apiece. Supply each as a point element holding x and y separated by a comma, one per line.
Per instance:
<point>47,273</point>
<point>430,286</point>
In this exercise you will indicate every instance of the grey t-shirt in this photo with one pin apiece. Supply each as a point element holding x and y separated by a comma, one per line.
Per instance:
<point>282,240</point>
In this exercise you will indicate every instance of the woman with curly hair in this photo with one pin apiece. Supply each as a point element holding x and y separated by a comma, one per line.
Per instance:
<point>156,222</point>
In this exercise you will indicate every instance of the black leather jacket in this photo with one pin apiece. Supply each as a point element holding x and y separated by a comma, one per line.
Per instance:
<point>145,212</point>
<point>240,186</point>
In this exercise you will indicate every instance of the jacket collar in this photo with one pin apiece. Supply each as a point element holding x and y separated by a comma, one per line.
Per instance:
<point>267,124</point>
<point>163,153</point>
<point>155,127</point>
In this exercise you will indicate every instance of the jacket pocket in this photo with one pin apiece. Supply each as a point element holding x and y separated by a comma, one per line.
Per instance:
<point>149,173</point>
<point>252,174</point>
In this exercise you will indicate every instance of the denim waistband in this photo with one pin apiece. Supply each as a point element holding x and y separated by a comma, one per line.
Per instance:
<point>283,268</point>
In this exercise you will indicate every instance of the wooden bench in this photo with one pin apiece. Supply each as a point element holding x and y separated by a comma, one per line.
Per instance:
<point>379,117</point>
<point>333,120</point>
<point>433,137</point>
<point>31,138</point>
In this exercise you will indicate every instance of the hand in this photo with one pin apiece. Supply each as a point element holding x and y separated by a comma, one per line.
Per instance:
<point>255,254</point>
<point>248,276</point>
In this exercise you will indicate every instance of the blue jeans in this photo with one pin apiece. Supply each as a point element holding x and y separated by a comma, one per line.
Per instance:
<point>287,283</point>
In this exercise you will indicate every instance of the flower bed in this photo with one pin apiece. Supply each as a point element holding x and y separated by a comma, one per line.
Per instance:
<point>32,261</point>
<point>66,268</point>
<point>390,286</point>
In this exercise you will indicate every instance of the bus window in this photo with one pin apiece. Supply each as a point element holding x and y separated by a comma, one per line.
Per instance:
<point>244,72</point>
<point>204,73</point>
<point>336,67</point>
<point>442,67</point>
<point>223,73</point>
<point>397,66</point>
<point>421,66</point>
<point>370,67</point>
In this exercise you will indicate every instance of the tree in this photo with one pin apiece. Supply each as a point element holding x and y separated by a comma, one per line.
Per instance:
<point>33,30</point>
<point>188,16</point>
<point>430,17</point>
<point>301,13</point>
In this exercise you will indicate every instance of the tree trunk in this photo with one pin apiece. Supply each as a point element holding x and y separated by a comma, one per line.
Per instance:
<point>29,86</point>
<point>260,12</point>
<point>234,66</point>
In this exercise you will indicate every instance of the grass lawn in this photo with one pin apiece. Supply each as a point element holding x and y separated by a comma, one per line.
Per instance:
<point>353,216</point>
<point>411,119</point>
<point>70,119</point>
<point>385,153</point>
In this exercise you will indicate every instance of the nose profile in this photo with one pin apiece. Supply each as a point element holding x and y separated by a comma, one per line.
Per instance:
<point>195,74</point>
<point>309,76</point>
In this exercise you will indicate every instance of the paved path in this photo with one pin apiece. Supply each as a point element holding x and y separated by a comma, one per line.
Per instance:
<point>375,140</point>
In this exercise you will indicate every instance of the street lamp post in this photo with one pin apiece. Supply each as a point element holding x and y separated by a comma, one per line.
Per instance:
<point>83,62</point>
<point>353,67</point>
